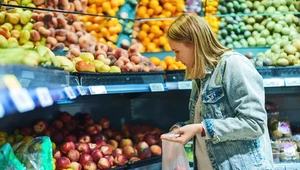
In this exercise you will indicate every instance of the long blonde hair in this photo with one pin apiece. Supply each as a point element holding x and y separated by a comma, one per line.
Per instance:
<point>192,29</point>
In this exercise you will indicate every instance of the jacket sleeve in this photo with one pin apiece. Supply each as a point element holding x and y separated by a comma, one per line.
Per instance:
<point>244,87</point>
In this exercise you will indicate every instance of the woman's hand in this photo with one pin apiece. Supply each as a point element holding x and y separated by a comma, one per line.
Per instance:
<point>185,133</point>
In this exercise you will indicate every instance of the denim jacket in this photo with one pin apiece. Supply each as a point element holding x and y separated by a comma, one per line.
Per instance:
<point>233,115</point>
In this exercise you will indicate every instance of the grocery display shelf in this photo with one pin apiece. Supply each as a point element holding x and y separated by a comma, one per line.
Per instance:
<point>252,15</point>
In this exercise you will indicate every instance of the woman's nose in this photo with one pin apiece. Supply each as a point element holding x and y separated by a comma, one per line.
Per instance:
<point>177,59</point>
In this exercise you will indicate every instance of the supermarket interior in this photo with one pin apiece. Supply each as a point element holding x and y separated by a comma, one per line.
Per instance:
<point>93,84</point>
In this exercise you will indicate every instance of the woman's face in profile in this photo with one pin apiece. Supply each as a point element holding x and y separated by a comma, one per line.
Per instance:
<point>184,52</point>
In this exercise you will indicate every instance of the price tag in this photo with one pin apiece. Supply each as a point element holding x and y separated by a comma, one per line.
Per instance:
<point>44,96</point>
<point>273,82</point>
<point>22,100</point>
<point>183,85</point>
<point>156,87</point>
<point>292,81</point>
<point>97,89</point>
<point>81,90</point>
<point>70,93</point>
<point>2,111</point>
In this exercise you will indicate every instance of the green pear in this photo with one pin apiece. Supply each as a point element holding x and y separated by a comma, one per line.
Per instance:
<point>31,5</point>
<point>13,18</point>
<point>29,61</point>
<point>8,25</point>
<point>12,42</point>
<point>41,50</point>
<point>25,2</point>
<point>3,42</point>
<point>2,17</point>
<point>28,26</point>
<point>24,36</point>
<point>18,27</point>
<point>25,17</point>
<point>55,61</point>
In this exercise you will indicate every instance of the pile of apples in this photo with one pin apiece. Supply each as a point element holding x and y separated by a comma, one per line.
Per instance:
<point>79,142</point>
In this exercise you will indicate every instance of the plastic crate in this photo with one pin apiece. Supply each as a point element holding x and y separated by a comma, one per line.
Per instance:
<point>31,77</point>
<point>119,168</point>
<point>272,71</point>
<point>175,75</point>
<point>151,163</point>
<point>89,79</point>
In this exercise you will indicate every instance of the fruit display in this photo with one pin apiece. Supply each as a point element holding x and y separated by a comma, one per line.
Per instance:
<point>168,63</point>
<point>210,9</point>
<point>159,8</point>
<point>256,30</point>
<point>79,142</point>
<point>104,7</point>
<point>151,35</point>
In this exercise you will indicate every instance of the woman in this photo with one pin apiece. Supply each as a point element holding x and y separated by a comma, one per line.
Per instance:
<point>227,116</point>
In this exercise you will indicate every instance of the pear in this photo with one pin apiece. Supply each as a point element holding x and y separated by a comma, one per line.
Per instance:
<point>13,18</point>
<point>28,26</point>
<point>25,2</point>
<point>12,42</point>
<point>18,27</point>
<point>3,42</point>
<point>24,36</point>
<point>41,50</point>
<point>25,17</point>
<point>2,17</point>
<point>5,32</point>
<point>8,25</point>
<point>55,61</point>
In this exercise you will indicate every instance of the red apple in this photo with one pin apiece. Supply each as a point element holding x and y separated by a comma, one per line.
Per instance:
<point>134,159</point>
<point>57,138</point>
<point>103,163</point>
<point>120,160</point>
<point>108,132</point>
<point>73,155</point>
<point>98,128</point>
<point>110,159</point>
<point>58,124</point>
<point>113,143</point>
<point>116,152</point>
<point>57,154</point>
<point>138,137</point>
<point>155,131</point>
<point>128,151</point>
<point>142,145</point>
<point>90,165</point>
<point>63,162</point>
<point>99,137</point>
<point>85,158</point>
<point>136,129</point>
<point>40,127</point>
<point>65,117</point>
<point>26,131</point>
<point>93,146</point>
<point>75,166</point>
<point>83,147</point>
<point>88,122</point>
<point>106,150</point>
<point>118,137</point>
<point>149,139</point>
<point>100,143</point>
<point>85,138</point>
<point>155,150</point>
<point>70,138</point>
<point>91,130</point>
<point>145,153</point>
<point>97,154</point>
<point>147,128</point>
<point>127,134</point>
<point>126,127</point>
<point>125,142</point>
<point>67,146</point>
<point>72,125</point>
<point>104,123</point>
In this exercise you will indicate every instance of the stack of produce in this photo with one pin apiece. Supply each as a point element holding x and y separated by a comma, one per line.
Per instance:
<point>82,143</point>
<point>151,34</point>
<point>168,63</point>
<point>104,7</point>
<point>210,10</point>
<point>159,8</point>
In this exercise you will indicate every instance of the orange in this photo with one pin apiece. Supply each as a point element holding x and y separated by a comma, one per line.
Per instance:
<point>169,60</point>
<point>168,6</point>
<point>146,41</point>
<point>97,20</point>
<point>163,64</point>
<point>91,10</point>
<point>121,2</point>
<point>159,33</point>
<point>173,67</point>
<point>83,18</point>
<point>151,46</point>
<point>94,33</point>
<point>143,49</point>
<point>119,27</point>
<point>104,31</point>
<point>155,60</point>
<point>159,23</point>
<point>113,30</point>
<point>151,36</point>
<point>145,27</point>
<point>158,10</point>
<point>99,10</point>
<point>89,26</point>
<point>96,27</point>
<point>106,6</point>
<point>141,11</point>
<point>167,13</point>
<point>163,40</point>
<point>178,63</point>
<point>102,40</point>
<point>153,4</point>
<point>150,11</point>
<point>157,49</point>
<point>142,34</point>
<point>97,2</point>
<point>114,3</point>
<point>144,2</point>
<point>167,47</point>
<point>154,29</point>
<point>92,2</point>
<point>156,41</point>
<point>111,12</point>
<point>173,9</point>
<point>182,67</point>
<point>114,38</point>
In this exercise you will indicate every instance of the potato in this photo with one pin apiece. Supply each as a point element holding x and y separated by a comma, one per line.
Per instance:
<point>72,37</point>
<point>75,52</point>
<point>60,38</point>
<point>37,25</point>
<point>100,52</point>
<point>38,2</point>
<point>35,36</point>
<point>51,40</point>
<point>54,22</point>
<point>52,32</point>
<point>43,31</point>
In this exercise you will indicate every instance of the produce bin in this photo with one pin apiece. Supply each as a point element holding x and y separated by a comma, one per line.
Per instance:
<point>175,75</point>
<point>151,163</point>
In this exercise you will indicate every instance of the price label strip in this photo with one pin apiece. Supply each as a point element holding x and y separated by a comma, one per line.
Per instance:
<point>70,93</point>
<point>185,85</point>
<point>44,96</point>
<point>97,90</point>
<point>2,111</point>
<point>292,81</point>
<point>22,100</point>
<point>274,82</point>
<point>81,90</point>
<point>11,81</point>
<point>156,87</point>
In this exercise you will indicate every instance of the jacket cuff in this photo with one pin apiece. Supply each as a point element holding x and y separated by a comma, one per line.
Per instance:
<point>209,127</point>
<point>207,135</point>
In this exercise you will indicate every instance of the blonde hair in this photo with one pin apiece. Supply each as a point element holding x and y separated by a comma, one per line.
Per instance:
<point>192,29</point>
